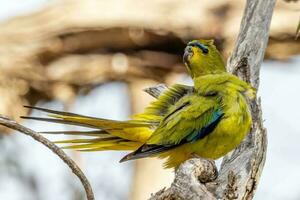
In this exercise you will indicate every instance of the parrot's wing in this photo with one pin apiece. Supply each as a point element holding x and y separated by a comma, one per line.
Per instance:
<point>160,107</point>
<point>190,120</point>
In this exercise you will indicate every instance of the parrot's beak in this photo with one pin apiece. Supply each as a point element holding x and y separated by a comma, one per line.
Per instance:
<point>188,53</point>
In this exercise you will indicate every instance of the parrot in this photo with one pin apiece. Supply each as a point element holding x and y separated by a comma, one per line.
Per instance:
<point>207,120</point>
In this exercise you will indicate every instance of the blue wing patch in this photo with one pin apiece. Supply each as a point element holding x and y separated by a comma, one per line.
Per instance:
<point>199,134</point>
<point>148,150</point>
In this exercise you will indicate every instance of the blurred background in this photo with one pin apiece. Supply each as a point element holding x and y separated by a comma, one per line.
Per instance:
<point>95,57</point>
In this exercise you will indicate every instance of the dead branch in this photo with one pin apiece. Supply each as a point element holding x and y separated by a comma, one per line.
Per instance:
<point>189,182</point>
<point>240,171</point>
<point>55,149</point>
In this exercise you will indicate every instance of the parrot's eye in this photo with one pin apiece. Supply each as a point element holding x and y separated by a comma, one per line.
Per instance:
<point>202,47</point>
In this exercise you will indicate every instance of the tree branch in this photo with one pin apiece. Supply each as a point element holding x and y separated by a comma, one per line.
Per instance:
<point>189,182</point>
<point>240,171</point>
<point>55,149</point>
<point>246,163</point>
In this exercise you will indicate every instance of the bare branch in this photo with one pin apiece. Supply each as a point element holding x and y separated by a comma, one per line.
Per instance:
<point>240,171</point>
<point>55,149</point>
<point>189,181</point>
<point>245,164</point>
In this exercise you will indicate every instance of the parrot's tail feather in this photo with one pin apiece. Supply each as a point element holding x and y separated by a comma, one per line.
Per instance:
<point>100,133</point>
<point>91,122</point>
<point>106,134</point>
<point>59,121</point>
<point>110,148</point>
<point>96,144</point>
<point>94,140</point>
<point>100,144</point>
<point>54,111</point>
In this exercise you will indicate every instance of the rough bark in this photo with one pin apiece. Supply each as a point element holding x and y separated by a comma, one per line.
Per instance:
<point>189,181</point>
<point>240,171</point>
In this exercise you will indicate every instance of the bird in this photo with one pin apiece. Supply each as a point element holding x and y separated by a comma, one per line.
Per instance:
<point>207,120</point>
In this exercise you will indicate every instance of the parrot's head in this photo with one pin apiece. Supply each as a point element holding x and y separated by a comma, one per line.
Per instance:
<point>201,57</point>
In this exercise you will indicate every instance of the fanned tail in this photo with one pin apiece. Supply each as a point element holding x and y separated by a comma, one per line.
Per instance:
<point>86,121</point>
<point>100,144</point>
<point>110,134</point>
<point>83,133</point>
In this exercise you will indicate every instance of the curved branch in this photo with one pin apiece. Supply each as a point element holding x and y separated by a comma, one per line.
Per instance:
<point>55,149</point>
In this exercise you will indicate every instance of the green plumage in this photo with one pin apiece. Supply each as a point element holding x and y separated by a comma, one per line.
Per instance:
<point>166,101</point>
<point>208,120</point>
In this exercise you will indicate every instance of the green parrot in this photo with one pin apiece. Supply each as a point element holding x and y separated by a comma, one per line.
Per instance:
<point>208,120</point>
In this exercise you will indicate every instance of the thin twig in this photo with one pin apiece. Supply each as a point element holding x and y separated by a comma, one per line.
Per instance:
<point>55,149</point>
